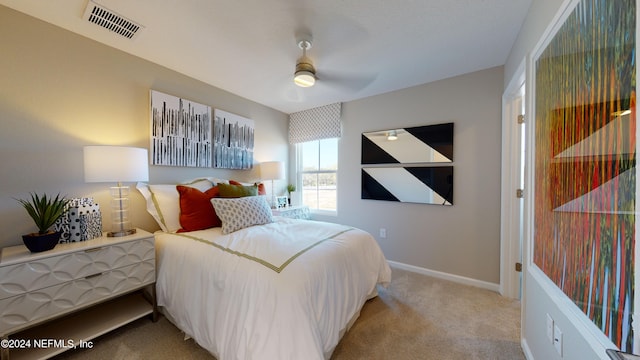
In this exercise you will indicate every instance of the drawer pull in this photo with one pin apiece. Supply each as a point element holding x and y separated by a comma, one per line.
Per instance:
<point>92,276</point>
<point>94,249</point>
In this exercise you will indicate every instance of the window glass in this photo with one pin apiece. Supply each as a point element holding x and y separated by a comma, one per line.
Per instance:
<point>310,155</point>
<point>328,154</point>
<point>317,173</point>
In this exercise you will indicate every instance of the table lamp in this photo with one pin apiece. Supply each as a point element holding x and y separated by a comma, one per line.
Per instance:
<point>272,170</point>
<point>117,164</point>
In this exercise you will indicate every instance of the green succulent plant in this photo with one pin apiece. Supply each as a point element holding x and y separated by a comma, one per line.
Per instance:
<point>44,210</point>
<point>291,188</point>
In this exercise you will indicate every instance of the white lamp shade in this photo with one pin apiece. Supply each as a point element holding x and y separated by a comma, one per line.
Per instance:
<point>115,164</point>
<point>272,170</point>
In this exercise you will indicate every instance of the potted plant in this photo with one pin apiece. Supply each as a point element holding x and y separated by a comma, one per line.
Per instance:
<point>290,188</point>
<point>45,211</point>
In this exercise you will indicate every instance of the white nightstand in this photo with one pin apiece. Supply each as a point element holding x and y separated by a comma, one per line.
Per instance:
<point>73,293</point>
<point>293,212</point>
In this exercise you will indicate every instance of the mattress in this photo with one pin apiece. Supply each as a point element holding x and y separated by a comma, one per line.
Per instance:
<point>284,290</point>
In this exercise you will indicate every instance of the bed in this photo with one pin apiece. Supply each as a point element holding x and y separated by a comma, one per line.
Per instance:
<point>262,286</point>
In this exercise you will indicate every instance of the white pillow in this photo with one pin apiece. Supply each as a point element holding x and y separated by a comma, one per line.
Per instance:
<point>163,201</point>
<point>217,181</point>
<point>240,213</point>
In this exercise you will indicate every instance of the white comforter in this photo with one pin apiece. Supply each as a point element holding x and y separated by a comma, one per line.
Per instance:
<point>285,290</point>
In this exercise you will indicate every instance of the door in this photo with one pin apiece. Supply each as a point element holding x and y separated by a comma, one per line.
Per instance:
<point>513,185</point>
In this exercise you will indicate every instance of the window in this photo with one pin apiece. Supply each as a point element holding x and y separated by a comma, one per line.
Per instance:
<point>318,174</point>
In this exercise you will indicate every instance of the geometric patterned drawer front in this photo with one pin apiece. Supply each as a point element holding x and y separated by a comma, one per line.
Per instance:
<point>39,305</point>
<point>35,275</point>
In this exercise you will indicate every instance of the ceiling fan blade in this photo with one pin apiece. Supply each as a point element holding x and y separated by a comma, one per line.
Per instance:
<point>350,82</point>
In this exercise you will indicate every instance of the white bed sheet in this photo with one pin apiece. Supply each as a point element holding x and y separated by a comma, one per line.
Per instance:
<point>285,290</point>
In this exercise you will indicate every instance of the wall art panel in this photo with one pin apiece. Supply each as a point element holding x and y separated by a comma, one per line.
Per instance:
<point>233,138</point>
<point>584,222</point>
<point>420,144</point>
<point>424,184</point>
<point>180,132</point>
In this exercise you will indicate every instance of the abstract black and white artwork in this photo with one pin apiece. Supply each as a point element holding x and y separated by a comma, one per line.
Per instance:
<point>421,184</point>
<point>419,144</point>
<point>399,164</point>
<point>180,132</point>
<point>233,138</point>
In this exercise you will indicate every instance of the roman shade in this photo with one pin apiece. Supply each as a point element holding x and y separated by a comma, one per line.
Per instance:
<point>315,124</point>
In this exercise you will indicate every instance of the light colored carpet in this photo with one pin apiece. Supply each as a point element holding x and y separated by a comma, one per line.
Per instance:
<point>416,317</point>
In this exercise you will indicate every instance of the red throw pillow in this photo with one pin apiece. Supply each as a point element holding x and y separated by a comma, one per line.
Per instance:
<point>261,189</point>
<point>196,210</point>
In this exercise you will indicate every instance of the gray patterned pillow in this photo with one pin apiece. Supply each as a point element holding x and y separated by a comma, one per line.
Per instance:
<point>239,213</point>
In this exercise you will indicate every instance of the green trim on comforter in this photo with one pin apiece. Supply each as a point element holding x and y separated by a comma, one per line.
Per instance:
<point>263,262</point>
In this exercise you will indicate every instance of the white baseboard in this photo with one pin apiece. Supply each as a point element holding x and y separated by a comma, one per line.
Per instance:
<point>525,349</point>
<point>446,276</point>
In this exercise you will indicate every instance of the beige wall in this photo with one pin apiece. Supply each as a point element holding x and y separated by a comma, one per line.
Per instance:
<point>60,91</point>
<point>463,239</point>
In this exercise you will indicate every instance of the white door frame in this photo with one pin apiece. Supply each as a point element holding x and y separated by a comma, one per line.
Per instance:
<point>510,216</point>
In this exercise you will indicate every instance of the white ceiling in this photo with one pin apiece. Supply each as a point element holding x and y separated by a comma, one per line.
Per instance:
<point>360,47</point>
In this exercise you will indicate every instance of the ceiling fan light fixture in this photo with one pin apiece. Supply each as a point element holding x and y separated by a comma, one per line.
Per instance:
<point>305,75</point>
<point>304,78</point>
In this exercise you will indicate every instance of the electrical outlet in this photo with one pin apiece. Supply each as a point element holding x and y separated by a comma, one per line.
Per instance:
<point>550,328</point>
<point>383,233</point>
<point>557,339</point>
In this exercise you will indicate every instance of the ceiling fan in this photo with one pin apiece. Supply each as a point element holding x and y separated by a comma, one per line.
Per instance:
<point>305,74</point>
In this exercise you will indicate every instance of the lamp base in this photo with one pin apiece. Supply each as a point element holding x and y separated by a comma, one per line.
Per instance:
<point>121,225</point>
<point>121,233</point>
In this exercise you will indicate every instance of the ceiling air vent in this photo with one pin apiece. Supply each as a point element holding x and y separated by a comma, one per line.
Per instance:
<point>101,16</point>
